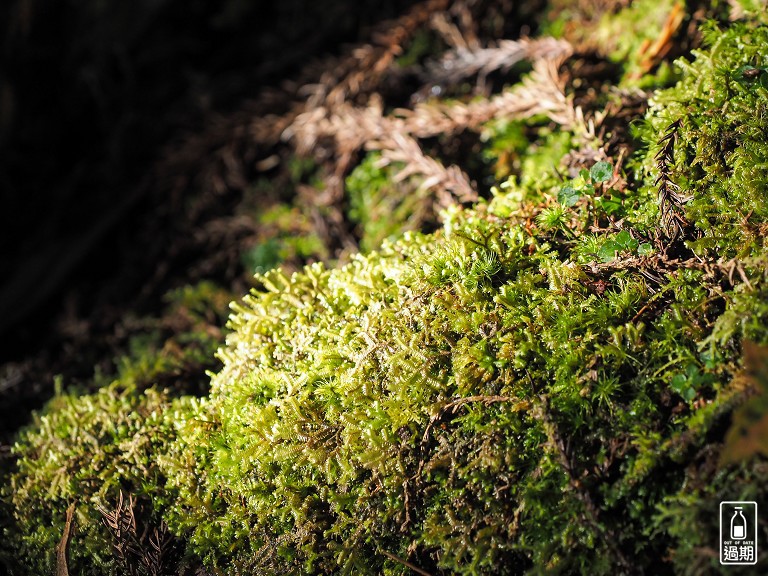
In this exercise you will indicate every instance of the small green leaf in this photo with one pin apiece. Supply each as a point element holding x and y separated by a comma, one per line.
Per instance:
<point>644,249</point>
<point>568,195</point>
<point>601,172</point>
<point>608,251</point>
<point>609,205</point>
<point>623,239</point>
<point>678,382</point>
<point>584,173</point>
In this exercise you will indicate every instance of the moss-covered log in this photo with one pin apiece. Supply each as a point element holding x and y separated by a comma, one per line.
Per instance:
<point>544,385</point>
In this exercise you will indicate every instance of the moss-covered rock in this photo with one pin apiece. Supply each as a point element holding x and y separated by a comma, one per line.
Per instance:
<point>542,386</point>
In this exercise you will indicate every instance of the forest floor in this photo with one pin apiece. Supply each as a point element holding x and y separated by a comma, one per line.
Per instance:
<point>128,170</point>
<point>170,165</point>
<point>176,153</point>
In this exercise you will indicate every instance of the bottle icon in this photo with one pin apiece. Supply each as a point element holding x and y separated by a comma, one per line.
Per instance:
<point>738,525</point>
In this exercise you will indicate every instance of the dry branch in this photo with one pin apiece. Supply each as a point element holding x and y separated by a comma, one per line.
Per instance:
<point>450,183</point>
<point>542,92</point>
<point>363,69</point>
<point>465,61</point>
<point>348,128</point>
<point>140,548</point>
<point>671,201</point>
<point>62,550</point>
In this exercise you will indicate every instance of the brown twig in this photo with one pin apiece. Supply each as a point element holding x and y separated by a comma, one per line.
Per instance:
<point>466,61</point>
<point>121,522</point>
<point>62,550</point>
<point>671,201</point>
<point>657,266</point>
<point>405,563</point>
<point>150,552</point>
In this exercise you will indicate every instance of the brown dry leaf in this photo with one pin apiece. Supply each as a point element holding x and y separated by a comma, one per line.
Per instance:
<point>654,52</point>
<point>62,550</point>
<point>748,435</point>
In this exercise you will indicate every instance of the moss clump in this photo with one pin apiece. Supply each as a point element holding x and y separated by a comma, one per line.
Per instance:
<point>384,207</point>
<point>524,391</point>
<point>425,401</point>
<point>285,239</point>
<point>718,117</point>
<point>85,449</point>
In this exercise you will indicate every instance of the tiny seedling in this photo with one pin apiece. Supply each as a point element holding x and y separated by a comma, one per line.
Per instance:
<point>622,242</point>
<point>587,183</point>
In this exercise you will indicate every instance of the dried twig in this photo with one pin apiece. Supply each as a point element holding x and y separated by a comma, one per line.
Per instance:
<point>657,267</point>
<point>160,546</point>
<point>542,92</point>
<point>121,522</point>
<point>353,128</point>
<point>362,70</point>
<point>465,61</point>
<point>450,183</point>
<point>62,550</point>
<point>151,552</point>
<point>671,201</point>
<point>350,128</point>
<point>405,563</point>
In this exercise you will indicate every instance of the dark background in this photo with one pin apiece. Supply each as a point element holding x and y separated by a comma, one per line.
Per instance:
<point>92,96</point>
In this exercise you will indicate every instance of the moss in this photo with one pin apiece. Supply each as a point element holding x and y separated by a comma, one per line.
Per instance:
<point>84,450</point>
<point>719,156</point>
<point>420,383</point>
<point>526,390</point>
<point>382,206</point>
<point>285,238</point>
<point>506,142</point>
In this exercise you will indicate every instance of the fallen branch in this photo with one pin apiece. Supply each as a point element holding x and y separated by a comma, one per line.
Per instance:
<point>405,563</point>
<point>62,550</point>
<point>465,61</point>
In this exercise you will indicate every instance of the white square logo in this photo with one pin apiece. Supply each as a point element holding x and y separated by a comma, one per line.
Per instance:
<point>738,533</point>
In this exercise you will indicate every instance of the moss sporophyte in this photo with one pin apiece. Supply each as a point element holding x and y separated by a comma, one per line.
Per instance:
<point>542,385</point>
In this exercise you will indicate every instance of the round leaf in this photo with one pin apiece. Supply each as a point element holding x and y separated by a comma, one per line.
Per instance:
<point>644,249</point>
<point>568,195</point>
<point>608,251</point>
<point>601,172</point>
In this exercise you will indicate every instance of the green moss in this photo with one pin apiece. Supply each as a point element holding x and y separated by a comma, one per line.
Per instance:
<point>626,33</point>
<point>84,450</point>
<point>720,151</point>
<point>506,142</point>
<point>384,207</point>
<point>541,386</point>
<point>421,383</point>
<point>286,237</point>
<point>424,44</point>
<point>175,350</point>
